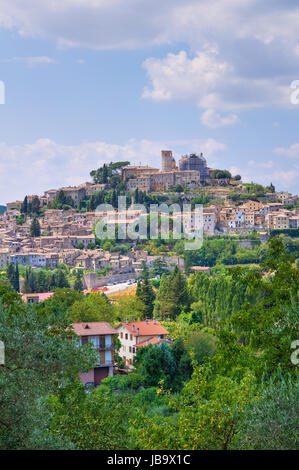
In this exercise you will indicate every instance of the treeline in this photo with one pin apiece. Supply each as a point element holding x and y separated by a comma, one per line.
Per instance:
<point>37,280</point>
<point>32,207</point>
<point>223,251</point>
<point>214,298</point>
<point>109,174</point>
<point>234,387</point>
<point>61,201</point>
<point>43,280</point>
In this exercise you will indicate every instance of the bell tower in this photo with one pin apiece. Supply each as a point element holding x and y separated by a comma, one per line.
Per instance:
<point>166,160</point>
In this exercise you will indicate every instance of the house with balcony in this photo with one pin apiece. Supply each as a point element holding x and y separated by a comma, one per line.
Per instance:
<point>101,336</point>
<point>134,335</point>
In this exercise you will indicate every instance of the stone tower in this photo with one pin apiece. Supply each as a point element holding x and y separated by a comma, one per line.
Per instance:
<point>167,164</point>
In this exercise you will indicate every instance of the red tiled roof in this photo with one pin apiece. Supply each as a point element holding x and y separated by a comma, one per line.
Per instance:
<point>44,296</point>
<point>93,329</point>
<point>146,328</point>
<point>200,268</point>
<point>41,296</point>
<point>153,340</point>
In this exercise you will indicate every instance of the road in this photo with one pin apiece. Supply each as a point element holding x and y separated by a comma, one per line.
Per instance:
<point>118,287</point>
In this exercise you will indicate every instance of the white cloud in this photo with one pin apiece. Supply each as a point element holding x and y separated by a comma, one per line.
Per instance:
<point>257,43</point>
<point>45,164</point>
<point>212,119</point>
<point>104,24</point>
<point>178,77</point>
<point>32,61</point>
<point>291,152</point>
<point>212,84</point>
<point>269,172</point>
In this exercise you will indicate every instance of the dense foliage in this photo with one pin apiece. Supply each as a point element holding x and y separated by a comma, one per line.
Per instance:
<point>225,381</point>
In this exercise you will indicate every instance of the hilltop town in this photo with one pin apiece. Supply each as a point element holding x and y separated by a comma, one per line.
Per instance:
<point>58,227</point>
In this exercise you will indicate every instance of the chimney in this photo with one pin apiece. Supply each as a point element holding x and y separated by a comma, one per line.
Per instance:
<point>146,321</point>
<point>133,328</point>
<point>127,321</point>
<point>147,341</point>
<point>137,331</point>
<point>155,321</point>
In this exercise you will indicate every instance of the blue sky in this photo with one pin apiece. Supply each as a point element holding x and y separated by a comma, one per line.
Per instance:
<point>90,81</point>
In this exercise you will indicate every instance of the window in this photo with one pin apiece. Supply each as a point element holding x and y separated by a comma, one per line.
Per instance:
<point>126,336</point>
<point>133,350</point>
<point>121,335</point>
<point>130,349</point>
<point>95,340</point>
<point>131,337</point>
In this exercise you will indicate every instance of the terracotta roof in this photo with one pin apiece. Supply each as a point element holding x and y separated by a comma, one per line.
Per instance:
<point>153,340</point>
<point>200,268</point>
<point>41,296</point>
<point>93,328</point>
<point>146,328</point>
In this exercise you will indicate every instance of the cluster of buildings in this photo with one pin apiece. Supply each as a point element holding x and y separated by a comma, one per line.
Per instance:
<point>76,193</point>
<point>255,215</point>
<point>68,236</point>
<point>132,335</point>
<point>251,215</point>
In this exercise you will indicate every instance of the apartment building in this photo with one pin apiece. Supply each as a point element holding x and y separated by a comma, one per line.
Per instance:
<point>249,219</point>
<point>251,206</point>
<point>294,222</point>
<point>276,220</point>
<point>36,259</point>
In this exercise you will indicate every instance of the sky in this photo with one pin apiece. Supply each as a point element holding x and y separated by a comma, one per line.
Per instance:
<point>93,81</point>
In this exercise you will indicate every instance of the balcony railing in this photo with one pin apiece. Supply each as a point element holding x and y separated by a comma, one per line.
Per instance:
<point>102,347</point>
<point>105,364</point>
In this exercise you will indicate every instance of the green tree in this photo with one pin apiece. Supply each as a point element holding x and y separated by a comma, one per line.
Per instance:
<point>38,360</point>
<point>271,419</point>
<point>17,279</point>
<point>94,307</point>
<point>156,363</point>
<point>62,279</point>
<point>35,205</point>
<point>208,415</point>
<point>97,421</point>
<point>173,295</point>
<point>78,286</point>
<point>24,207</point>
<point>146,294</point>
<point>11,274</point>
<point>35,228</point>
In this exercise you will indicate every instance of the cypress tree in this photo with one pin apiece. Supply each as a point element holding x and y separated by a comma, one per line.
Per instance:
<point>78,286</point>
<point>24,207</point>
<point>17,279</point>
<point>35,228</point>
<point>146,294</point>
<point>10,273</point>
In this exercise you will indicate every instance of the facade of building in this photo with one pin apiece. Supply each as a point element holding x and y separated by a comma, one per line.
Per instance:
<point>191,173</point>
<point>137,171</point>
<point>101,336</point>
<point>134,335</point>
<point>4,258</point>
<point>195,163</point>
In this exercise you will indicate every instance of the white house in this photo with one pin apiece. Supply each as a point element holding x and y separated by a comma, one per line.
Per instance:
<point>134,335</point>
